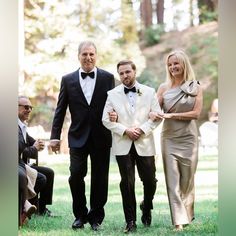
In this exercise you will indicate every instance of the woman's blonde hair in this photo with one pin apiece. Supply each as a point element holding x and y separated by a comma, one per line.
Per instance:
<point>184,62</point>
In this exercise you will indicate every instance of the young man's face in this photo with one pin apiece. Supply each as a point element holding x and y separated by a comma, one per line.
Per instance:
<point>127,75</point>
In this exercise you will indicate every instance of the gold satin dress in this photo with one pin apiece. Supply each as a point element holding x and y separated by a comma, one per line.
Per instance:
<point>179,142</point>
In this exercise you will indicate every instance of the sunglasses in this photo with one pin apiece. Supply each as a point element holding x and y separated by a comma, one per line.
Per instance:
<point>26,107</point>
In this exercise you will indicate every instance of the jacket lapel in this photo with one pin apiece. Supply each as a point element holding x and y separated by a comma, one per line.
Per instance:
<point>21,134</point>
<point>139,103</point>
<point>124,101</point>
<point>80,91</point>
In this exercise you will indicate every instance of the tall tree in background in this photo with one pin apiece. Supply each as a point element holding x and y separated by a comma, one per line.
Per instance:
<point>191,12</point>
<point>45,50</point>
<point>160,11</point>
<point>127,23</point>
<point>85,13</point>
<point>146,13</point>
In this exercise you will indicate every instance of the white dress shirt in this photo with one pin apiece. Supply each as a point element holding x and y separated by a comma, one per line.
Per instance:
<point>132,98</point>
<point>23,127</point>
<point>88,84</point>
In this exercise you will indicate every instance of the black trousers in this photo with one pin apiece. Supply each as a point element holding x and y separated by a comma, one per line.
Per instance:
<point>146,170</point>
<point>43,187</point>
<point>100,158</point>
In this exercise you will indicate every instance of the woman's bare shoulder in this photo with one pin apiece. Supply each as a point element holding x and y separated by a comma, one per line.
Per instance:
<point>163,87</point>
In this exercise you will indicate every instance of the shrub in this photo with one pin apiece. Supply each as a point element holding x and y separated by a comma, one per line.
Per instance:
<point>153,34</point>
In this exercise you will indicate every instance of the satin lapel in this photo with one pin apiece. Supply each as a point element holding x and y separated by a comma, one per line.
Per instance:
<point>80,91</point>
<point>139,103</point>
<point>21,134</point>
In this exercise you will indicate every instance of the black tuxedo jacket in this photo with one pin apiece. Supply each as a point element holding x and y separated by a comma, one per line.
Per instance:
<point>27,149</point>
<point>85,119</point>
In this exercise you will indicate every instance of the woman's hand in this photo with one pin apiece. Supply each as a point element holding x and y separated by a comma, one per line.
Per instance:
<point>167,115</point>
<point>154,116</point>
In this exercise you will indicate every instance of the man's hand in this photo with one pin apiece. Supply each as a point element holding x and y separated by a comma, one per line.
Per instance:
<point>133,133</point>
<point>55,144</point>
<point>39,144</point>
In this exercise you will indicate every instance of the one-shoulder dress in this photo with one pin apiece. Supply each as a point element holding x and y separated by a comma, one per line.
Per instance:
<point>179,142</point>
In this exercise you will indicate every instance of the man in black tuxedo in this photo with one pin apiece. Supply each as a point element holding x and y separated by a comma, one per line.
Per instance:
<point>32,147</point>
<point>84,91</point>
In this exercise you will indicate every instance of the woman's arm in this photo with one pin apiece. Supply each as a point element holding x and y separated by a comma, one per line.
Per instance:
<point>194,114</point>
<point>153,115</point>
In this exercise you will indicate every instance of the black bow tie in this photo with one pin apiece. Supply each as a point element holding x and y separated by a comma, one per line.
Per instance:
<point>126,90</point>
<point>90,74</point>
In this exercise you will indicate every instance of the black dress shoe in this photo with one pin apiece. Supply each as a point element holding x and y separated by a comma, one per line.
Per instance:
<point>130,227</point>
<point>146,217</point>
<point>47,213</point>
<point>95,226</point>
<point>78,224</point>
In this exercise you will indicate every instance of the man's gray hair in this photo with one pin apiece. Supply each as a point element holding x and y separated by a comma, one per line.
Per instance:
<point>22,96</point>
<point>86,43</point>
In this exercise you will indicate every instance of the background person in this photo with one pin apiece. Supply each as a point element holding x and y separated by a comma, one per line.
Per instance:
<point>26,182</point>
<point>31,149</point>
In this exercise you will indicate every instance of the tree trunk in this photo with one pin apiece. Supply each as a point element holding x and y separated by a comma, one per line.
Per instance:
<point>160,11</point>
<point>191,12</point>
<point>146,13</point>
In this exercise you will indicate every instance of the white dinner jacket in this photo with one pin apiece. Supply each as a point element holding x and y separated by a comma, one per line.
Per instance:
<point>146,101</point>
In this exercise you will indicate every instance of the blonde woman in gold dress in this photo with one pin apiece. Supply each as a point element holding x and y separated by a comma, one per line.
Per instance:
<point>180,98</point>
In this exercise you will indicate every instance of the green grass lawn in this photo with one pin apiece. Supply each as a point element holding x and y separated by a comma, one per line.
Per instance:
<point>206,206</point>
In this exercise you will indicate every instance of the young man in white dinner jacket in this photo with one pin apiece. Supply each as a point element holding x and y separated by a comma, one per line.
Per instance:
<point>126,114</point>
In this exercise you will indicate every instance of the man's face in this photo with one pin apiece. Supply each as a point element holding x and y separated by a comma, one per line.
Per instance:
<point>87,57</point>
<point>24,109</point>
<point>127,75</point>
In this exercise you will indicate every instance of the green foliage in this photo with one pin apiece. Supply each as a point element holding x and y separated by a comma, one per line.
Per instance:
<point>42,115</point>
<point>53,30</point>
<point>152,34</point>
<point>203,53</point>
<point>207,16</point>
<point>148,78</point>
<point>126,25</point>
<point>194,49</point>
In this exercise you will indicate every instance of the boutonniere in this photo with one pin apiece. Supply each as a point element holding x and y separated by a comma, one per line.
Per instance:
<point>139,92</point>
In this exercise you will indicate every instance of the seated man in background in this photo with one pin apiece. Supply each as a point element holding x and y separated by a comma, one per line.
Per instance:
<point>31,149</point>
<point>27,178</point>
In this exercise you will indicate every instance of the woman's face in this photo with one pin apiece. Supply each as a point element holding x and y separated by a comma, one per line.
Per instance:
<point>175,68</point>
